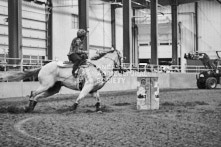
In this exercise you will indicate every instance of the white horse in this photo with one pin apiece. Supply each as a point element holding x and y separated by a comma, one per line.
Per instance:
<point>91,77</point>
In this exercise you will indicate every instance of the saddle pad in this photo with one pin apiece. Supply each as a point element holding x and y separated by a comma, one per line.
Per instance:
<point>67,64</point>
<point>64,64</point>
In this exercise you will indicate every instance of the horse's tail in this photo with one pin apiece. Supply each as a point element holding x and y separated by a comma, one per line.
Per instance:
<point>18,75</point>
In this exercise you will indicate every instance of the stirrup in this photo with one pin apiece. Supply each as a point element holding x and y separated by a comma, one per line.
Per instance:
<point>75,74</point>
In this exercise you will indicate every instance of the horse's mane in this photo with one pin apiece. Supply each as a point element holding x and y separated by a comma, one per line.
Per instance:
<point>100,55</point>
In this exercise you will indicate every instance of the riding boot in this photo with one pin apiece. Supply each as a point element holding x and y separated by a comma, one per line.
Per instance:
<point>98,106</point>
<point>31,106</point>
<point>75,67</point>
<point>73,70</point>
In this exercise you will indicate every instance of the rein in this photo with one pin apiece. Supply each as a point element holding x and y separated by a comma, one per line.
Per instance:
<point>111,59</point>
<point>121,69</point>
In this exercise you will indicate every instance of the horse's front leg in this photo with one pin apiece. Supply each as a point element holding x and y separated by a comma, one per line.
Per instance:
<point>96,95</point>
<point>86,89</point>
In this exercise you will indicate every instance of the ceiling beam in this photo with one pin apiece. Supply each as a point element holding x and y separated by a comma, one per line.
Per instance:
<point>179,2</point>
<point>140,4</point>
<point>186,1</point>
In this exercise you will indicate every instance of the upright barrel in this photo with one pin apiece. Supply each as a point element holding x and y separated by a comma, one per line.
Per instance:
<point>147,93</point>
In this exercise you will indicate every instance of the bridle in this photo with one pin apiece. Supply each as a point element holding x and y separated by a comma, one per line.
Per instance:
<point>116,66</point>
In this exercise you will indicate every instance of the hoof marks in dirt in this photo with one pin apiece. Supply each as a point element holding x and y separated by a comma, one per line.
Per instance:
<point>12,109</point>
<point>102,109</point>
<point>106,109</point>
<point>168,104</point>
<point>122,104</point>
<point>185,104</point>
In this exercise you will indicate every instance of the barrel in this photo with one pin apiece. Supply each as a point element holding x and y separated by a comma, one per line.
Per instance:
<point>147,93</point>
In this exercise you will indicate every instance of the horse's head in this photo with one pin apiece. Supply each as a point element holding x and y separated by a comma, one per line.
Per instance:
<point>118,61</point>
<point>113,55</point>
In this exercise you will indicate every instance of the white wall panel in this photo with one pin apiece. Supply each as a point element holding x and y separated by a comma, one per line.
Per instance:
<point>119,29</point>
<point>3,26</point>
<point>62,30</point>
<point>32,51</point>
<point>34,24</point>
<point>209,27</point>
<point>3,49</point>
<point>4,6</point>
<point>188,30</point>
<point>186,15</point>
<point>163,52</point>
<point>34,42</point>
<point>2,19</point>
<point>32,7</point>
<point>34,29</point>
<point>100,24</point>
<point>186,8</point>
<point>3,39</point>
<point>33,15</point>
<point>3,30</point>
<point>34,33</point>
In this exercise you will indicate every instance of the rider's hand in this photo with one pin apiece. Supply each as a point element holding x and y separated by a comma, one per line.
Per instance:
<point>84,56</point>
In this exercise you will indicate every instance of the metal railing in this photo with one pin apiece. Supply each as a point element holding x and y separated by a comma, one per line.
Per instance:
<point>166,68</point>
<point>18,64</point>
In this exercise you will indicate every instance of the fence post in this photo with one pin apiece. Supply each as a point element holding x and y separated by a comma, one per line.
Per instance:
<point>21,64</point>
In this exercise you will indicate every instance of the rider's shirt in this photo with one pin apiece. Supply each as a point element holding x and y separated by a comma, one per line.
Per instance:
<point>76,47</point>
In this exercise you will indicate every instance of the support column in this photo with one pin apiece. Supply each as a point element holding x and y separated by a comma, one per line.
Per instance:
<point>135,46</point>
<point>50,31</point>
<point>154,32</point>
<point>134,40</point>
<point>174,32</point>
<point>196,26</point>
<point>15,29</point>
<point>113,26</point>
<point>127,31</point>
<point>83,7</point>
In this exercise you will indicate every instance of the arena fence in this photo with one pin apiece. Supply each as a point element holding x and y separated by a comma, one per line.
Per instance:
<point>18,64</point>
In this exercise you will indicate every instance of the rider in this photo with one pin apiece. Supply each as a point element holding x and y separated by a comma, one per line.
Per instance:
<point>77,53</point>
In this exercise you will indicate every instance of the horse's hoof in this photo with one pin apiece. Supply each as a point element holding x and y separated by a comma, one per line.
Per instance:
<point>99,112</point>
<point>98,106</point>
<point>27,110</point>
<point>74,107</point>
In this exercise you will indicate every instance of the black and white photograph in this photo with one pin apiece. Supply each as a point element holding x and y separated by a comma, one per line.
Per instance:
<point>110,73</point>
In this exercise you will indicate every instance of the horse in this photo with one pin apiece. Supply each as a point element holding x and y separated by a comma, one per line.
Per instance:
<point>91,78</point>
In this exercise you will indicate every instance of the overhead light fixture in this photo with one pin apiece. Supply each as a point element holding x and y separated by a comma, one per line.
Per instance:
<point>39,2</point>
<point>117,3</point>
<point>137,3</point>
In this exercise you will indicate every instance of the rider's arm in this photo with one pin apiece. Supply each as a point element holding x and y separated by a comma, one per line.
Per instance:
<point>81,51</point>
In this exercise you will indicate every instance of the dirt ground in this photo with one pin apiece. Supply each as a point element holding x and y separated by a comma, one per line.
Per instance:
<point>188,117</point>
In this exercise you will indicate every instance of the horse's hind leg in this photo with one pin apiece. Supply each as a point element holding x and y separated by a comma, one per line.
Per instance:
<point>42,92</point>
<point>96,95</point>
<point>49,92</point>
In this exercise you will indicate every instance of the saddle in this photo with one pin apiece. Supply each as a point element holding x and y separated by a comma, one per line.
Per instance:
<point>80,79</point>
<point>68,64</point>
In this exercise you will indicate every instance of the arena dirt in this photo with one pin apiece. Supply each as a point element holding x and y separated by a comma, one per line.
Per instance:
<point>186,118</point>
